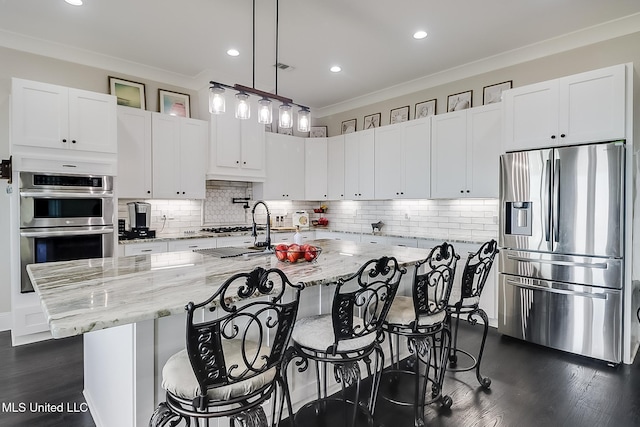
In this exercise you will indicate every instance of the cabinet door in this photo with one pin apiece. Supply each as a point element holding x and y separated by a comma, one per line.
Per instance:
<point>193,158</point>
<point>335,168</point>
<point>315,171</point>
<point>134,153</point>
<point>389,147</point>
<point>351,166</point>
<point>484,133</point>
<point>592,106</point>
<point>366,170</point>
<point>531,116</point>
<point>39,114</point>
<point>285,169</point>
<point>92,121</point>
<point>252,148</point>
<point>417,159</point>
<point>226,133</point>
<point>166,156</point>
<point>449,155</point>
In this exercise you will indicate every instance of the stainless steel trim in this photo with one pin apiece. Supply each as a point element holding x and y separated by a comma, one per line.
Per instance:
<point>46,194</point>
<point>558,262</point>
<point>546,202</point>
<point>65,231</point>
<point>550,288</point>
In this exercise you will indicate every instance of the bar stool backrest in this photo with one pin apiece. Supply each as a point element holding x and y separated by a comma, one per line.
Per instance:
<point>251,312</point>
<point>365,296</point>
<point>476,269</point>
<point>431,290</point>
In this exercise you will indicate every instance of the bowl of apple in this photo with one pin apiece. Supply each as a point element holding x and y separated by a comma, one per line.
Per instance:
<point>296,253</point>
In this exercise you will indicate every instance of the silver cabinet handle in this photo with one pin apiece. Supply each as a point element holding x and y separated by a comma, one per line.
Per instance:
<point>601,265</point>
<point>556,291</point>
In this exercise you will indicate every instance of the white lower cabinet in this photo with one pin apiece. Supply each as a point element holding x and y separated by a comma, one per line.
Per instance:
<point>191,244</point>
<point>144,248</point>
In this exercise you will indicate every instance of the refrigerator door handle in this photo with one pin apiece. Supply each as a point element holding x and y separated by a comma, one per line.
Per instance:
<point>547,201</point>
<point>556,201</point>
<point>556,291</point>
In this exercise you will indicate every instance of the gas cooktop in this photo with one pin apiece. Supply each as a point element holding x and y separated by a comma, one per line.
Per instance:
<point>232,229</point>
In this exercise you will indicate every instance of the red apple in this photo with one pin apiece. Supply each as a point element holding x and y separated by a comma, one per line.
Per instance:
<point>311,253</point>
<point>293,254</point>
<point>281,251</point>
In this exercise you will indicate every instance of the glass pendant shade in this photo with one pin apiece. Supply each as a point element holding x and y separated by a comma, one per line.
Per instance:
<point>304,120</point>
<point>216,100</point>
<point>265,115</point>
<point>243,110</point>
<point>286,119</point>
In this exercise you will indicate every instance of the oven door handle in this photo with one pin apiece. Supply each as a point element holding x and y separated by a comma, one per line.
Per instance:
<point>34,194</point>
<point>66,231</point>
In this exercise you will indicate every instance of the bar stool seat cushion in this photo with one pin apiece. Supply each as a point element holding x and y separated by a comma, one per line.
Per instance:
<point>402,312</point>
<point>178,377</point>
<point>454,298</point>
<point>316,332</point>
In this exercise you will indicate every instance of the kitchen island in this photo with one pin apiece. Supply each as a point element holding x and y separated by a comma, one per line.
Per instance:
<point>131,312</point>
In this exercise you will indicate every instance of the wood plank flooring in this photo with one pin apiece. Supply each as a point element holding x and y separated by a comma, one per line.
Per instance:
<point>531,386</point>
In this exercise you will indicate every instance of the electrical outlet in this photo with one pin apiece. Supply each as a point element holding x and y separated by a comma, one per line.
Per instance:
<point>407,216</point>
<point>495,219</point>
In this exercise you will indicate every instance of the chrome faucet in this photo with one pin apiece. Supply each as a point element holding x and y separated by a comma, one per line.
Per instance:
<point>254,230</point>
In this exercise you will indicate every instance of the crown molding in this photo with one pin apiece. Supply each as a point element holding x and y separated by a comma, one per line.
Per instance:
<point>609,30</point>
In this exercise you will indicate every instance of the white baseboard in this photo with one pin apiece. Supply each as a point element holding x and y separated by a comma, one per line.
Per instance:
<point>5,321</point>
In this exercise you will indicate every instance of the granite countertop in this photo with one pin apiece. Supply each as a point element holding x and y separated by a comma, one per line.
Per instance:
<point>86,295</point>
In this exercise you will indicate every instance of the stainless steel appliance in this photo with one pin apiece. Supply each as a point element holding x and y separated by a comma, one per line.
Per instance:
<point>139,221</point>
<point>64,217</point>
<point>562,238</point>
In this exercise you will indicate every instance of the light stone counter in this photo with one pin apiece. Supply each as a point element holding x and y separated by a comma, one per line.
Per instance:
<point>87,295</point>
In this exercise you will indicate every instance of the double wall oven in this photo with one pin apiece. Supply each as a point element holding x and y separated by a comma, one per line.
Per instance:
<point>64,217</point>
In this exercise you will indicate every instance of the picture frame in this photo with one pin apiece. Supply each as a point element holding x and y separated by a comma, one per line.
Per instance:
<point>349,126</point>
<point>174,103</point>
<point>268,128</point>
<point>425,109</point>
<point>318,132</point>
<point>493,93</point>
<point>399,115</point>
<point>459,101</point>
<point>285,131</point>
<point>128,93</point>
<point>372,121</point>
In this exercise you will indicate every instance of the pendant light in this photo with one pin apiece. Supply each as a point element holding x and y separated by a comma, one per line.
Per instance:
<point>243,107</point>
<point>286,116</point>
<point>216,99</point>
<point>265,104</point>
<point>265,115</point>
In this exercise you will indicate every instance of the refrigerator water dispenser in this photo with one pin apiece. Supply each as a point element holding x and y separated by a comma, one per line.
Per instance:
<point>518,218</point>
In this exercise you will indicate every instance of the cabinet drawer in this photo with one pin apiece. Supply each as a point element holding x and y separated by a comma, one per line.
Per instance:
<point>191,244</point>
<point>145,248</point>
<point>242,241</point>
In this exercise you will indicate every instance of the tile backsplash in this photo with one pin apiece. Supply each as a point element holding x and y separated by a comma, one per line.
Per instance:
<point>472,219</point>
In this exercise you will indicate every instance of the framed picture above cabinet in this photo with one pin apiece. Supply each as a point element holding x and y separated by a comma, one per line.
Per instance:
<point>399,115</point>
<point>128,93</point>
<point>174,103</point>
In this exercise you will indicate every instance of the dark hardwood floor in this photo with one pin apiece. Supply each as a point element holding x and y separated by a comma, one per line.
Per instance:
<point>531,386</point>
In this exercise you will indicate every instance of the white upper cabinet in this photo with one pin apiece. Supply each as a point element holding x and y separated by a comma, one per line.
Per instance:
<point>51,116</point>
<point>236,149</point>
<point>359,164</point>
<point>134,153</point>
<point>585,107</point>
<point>285,169</point>
<point>179,147</point>
<point>466,146</point>
<point>315,171</point>
<point>402,160</point>
<point>335,167</point>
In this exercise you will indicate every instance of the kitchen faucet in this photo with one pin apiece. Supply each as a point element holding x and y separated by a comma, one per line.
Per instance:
<point>254,231</point>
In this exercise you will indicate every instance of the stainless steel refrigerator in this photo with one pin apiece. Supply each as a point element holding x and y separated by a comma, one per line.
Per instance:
<point>562,239</point>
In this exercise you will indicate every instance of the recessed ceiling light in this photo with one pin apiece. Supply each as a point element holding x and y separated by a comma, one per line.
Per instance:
<point>233,52</point>
<point>335,69</point>
<point>74,2</point>
<point>419,35</point>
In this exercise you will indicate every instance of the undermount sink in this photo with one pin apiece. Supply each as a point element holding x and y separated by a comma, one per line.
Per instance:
<point>230,252</point>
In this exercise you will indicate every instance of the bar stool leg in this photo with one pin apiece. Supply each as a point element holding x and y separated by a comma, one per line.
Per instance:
<point>453,357</point>
<point>485,382</point>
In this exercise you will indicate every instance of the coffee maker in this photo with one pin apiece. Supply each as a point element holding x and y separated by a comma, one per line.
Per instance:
<point>139,221</point>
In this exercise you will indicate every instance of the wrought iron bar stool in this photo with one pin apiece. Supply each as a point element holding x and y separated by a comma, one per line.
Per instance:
<point>233,364</point>
<point>465,300</point>
<point>345,337</point>
<point>421,319</point>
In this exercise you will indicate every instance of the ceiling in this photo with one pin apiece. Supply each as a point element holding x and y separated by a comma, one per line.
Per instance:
<point>370,39</point>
